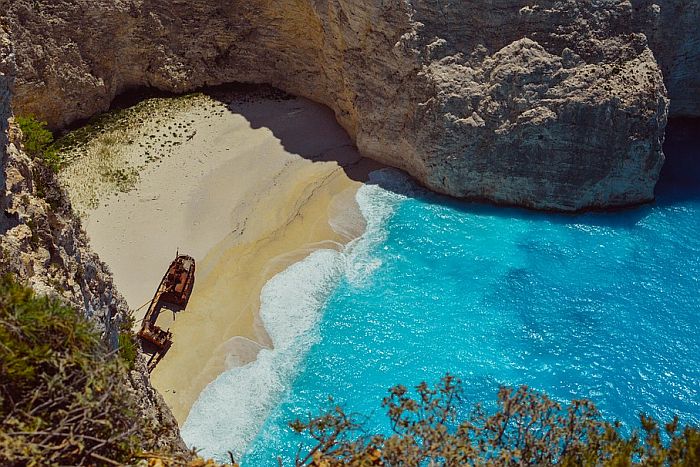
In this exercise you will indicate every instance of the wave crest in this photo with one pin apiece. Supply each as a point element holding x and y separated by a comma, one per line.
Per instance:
<point>231,410</point>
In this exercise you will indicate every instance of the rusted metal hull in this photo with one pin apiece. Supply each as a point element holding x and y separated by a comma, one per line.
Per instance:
<point>178,282</point>
<point>175,289</point>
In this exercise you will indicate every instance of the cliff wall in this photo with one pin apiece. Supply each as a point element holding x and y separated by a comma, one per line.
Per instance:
<point>6,68</point>
<point>673,30</point>
<point>556,104</point>
<point>43,244</point>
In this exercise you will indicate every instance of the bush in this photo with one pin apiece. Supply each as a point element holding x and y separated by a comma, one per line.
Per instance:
<point>64,399</point>
<point>128,346</point>
<point>527,429</point>
<point>37,141</point>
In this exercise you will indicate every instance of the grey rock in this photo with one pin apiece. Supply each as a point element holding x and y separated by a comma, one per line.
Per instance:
<point>557,104</point>
<point>673,30</point>
<point>43,245</point>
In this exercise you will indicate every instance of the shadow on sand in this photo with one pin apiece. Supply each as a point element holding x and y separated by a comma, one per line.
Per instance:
<point>679,182</point>
<point>304,138</point>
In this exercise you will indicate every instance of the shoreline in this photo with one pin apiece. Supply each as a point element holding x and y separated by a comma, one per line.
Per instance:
<point>233,275</point>
<point>250,187</point>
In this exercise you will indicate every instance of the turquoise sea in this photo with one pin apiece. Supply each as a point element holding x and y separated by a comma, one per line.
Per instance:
<point>603,306</point>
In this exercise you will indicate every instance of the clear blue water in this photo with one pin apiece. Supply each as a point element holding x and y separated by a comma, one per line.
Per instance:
<point>603,306</point>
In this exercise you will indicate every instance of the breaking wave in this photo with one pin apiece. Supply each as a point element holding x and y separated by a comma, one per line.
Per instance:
<point>231,410</point>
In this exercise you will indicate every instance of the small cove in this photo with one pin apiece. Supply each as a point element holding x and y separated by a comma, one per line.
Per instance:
<point>598,305</point>
<point>246,179</point>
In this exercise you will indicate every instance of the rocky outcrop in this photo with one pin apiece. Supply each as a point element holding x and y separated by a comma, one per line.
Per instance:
<point>555,104</point>
<point>6,67</point>
<point>42,244</point>
<point>673,30</point>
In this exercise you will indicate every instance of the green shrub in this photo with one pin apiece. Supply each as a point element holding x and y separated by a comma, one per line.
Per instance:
<point>528,428</point>
<point>128,346</point>
<point>37,141</point>
<point>64,399</point>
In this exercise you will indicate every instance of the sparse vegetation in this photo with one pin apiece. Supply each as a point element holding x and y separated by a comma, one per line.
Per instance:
<point>123,179</point>
<point>128,347</point>
<point>528,428</point>
<point>109,153</point>
<point>63,396</point>
<point>37,141</point>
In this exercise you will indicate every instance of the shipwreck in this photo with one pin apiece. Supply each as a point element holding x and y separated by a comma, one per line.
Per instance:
<point>172,294</point>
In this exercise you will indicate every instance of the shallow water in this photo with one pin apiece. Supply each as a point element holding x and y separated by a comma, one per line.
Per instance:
<point>601,305</point>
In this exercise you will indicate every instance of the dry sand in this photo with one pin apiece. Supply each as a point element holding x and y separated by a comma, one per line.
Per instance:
<point>247,188</point>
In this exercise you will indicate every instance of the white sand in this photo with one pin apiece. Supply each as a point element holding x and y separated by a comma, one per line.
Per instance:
<point>240,194</point>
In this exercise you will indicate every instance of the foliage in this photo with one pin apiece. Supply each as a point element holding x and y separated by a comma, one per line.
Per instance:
<point>127,343</point>
<point>63,398</point>
<point>527,429</point>
<point>37,141</point>
<point>36,137</point>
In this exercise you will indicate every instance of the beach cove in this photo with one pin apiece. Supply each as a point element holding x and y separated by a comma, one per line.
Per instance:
<point>600,306</point>
<point>255,181</point>
<point>425,233</point>
<point>323,274</point>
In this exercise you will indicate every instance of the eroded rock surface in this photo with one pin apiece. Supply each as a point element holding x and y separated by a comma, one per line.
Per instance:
<point>673,30</point>
<point>43,244</point>
<point>554,104</point>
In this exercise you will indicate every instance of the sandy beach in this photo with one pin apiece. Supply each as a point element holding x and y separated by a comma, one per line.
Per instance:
<point>247,184</point>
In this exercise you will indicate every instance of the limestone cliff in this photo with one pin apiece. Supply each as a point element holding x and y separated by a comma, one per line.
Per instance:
<point>673,30</point>
<point>42,243</point>
<point>555,104</point>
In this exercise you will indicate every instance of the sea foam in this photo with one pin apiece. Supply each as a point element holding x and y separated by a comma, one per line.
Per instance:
<point>596,306</point>
<point>231,410</point>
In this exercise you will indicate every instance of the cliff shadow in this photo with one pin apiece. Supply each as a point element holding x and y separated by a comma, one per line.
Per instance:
<point>303,127</point>
<point>680,176</point>
<point>311,131</point>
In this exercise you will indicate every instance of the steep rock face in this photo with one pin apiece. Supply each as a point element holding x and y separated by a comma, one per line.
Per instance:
<point>42,243</point>
<point>6,66</point>
<point>558,105</point>
<point>673,30</point>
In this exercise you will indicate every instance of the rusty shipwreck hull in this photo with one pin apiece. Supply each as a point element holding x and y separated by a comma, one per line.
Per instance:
<point>175,289</point>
